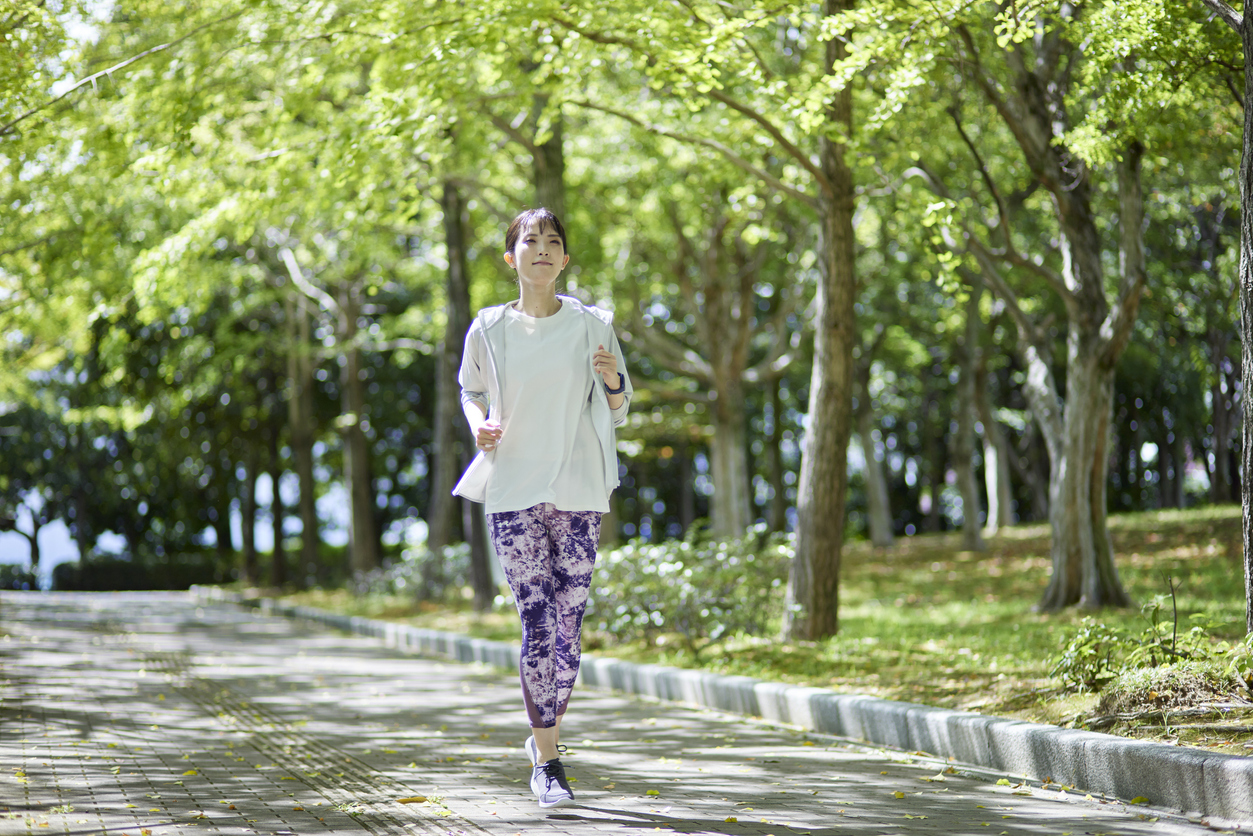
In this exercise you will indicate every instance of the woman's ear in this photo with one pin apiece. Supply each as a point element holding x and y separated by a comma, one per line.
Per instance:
<point>509,259</point>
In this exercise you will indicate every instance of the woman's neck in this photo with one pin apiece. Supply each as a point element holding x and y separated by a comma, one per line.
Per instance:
<point>538,304</point>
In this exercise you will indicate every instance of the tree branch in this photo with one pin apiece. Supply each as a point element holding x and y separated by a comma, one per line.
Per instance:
<point>513,133</point>
<point>400,343</point>
<point>797,154</point>
<point>1225,13</point>
<point>670,353</point>
<point>731,156</point>
<point>1040,387</point>
<point>325,301</point>
<point>28,245</point>
<point>7,129</point>
<point>1116,329</point>
<point>974,244</point>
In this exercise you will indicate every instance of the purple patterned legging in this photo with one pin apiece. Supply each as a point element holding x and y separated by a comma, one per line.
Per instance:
<point>548,557</point>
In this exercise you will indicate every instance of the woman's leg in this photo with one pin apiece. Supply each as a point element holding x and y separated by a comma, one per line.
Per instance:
<point>575,535</point>
<point>522,543</point>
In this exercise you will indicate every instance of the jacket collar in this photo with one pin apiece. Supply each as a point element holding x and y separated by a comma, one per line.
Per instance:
<point>495,314</point>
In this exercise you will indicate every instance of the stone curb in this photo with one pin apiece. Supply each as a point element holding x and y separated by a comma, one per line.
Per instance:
<point>1190,781</point>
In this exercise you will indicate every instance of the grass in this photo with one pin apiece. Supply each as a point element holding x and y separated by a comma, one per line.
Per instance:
<point>926,622</point>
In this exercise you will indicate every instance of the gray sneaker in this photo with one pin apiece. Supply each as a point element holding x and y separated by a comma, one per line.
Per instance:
<point>548,782</point>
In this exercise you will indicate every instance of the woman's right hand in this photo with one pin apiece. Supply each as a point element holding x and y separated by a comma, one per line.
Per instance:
<point>487,436</point>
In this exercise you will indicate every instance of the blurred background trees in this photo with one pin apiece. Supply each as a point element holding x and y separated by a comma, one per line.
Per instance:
<point>879,271</point>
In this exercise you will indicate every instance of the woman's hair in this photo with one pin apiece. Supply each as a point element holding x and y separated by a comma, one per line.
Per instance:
<point>540,218</point>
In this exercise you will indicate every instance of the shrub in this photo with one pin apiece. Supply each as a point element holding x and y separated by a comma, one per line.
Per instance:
<point>17,576</point>
<point>1099,654</point>
<point>703,590</point>
<point>109,572</point>
<point>418,574</point>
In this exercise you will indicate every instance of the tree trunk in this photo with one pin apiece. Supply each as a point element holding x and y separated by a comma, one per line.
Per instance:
<point>1032,466</point>
<point>278,558</point>
<point>878,508</point>
<point>933,454</point>
<point>1083,558</point>
<point>363,543</point>
<point>82,529</point>
<point>687,489</point>
<point>548,163</point>
<point>1179,454</point>
<point>1221,482</point>
<point>248,514</point>
<point>997,458</point>
<point>447,455</point>
<point>728,461</point>
<point>1246,311</point>
<point>222,532</point>
<point>777,515</point>
<point>475,523</point>
<point>813,583</point>
<point>964,440</point>
<point>300,420</point>
<point>33,540</point>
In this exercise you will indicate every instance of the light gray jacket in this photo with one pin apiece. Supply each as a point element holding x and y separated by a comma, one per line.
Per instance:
<point>481,379</point>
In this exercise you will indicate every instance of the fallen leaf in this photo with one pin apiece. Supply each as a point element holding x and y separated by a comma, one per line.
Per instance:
<point>191,772</point>
<point>1004,782</point>
<point>898,794</point>
<point>1139,799</point>
<point>730,818</point>
<point>298,809</point>
<point>416,799</point>
<point>653,792</point>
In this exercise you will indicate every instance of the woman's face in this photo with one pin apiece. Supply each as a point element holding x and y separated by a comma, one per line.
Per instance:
<point>539,256</point>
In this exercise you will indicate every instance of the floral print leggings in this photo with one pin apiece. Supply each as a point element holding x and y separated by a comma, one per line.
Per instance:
<point>548,557</point>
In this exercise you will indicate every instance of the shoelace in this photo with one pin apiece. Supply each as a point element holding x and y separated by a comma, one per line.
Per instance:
<point>554,770</point>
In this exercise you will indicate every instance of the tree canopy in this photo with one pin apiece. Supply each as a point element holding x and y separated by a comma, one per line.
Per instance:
<point>881,268</point>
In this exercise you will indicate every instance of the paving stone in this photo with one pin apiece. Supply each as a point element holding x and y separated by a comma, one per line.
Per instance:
<point>139,712</point>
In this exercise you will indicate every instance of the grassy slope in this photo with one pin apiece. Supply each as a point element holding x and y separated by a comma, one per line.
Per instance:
<point>928,623</point>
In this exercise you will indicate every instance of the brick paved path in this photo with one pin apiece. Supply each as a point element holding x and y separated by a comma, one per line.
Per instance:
<point>140,713</point>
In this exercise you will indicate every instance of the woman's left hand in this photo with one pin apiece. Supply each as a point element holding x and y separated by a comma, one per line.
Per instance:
<point>606,365</point>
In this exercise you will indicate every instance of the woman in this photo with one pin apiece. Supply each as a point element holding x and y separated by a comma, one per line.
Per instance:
<point>543,384</point>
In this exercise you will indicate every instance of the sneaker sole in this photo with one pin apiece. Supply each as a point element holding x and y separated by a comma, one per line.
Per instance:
<point>561,802</point>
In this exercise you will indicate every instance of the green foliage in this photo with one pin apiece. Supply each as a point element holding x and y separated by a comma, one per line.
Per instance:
<point>421,573</point>
<point>108,573</point>
<point>1098,654</point>
<point>1087,661</point>
<point>17,576</point>
<point>703,590</point>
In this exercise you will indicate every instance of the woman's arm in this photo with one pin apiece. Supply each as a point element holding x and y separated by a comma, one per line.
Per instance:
<point>486,433</point>
<point>606,364</point>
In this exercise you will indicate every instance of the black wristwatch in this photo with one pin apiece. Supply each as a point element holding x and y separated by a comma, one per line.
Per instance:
<point>621,386</point>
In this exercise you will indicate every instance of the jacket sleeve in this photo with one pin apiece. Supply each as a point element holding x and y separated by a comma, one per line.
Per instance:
<point>620,414</point>
<point>472,375</point>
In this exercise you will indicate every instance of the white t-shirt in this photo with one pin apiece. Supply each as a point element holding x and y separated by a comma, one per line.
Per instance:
<point>548,450</point>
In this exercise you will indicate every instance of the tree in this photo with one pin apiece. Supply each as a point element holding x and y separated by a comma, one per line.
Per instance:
<point>1242,24</point>
<point>1033,78</point>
